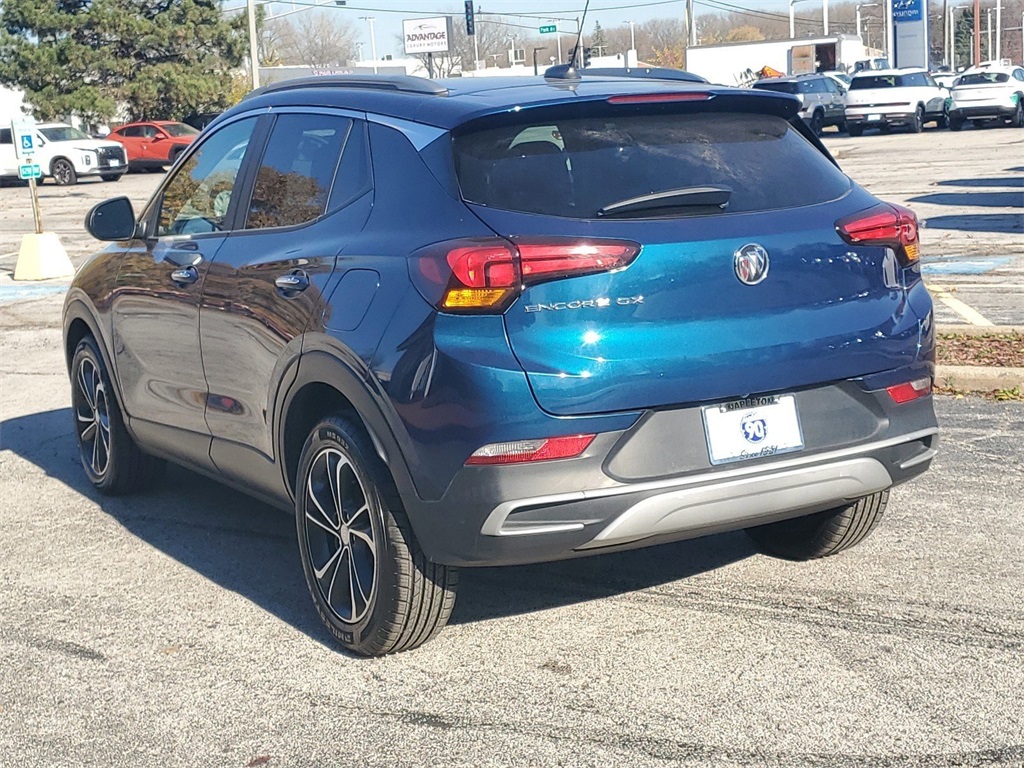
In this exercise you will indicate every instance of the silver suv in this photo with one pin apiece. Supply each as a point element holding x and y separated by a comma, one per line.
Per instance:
<point>821,99</point>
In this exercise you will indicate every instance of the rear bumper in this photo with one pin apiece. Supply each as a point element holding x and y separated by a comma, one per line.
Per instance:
<point>654,483</point>
<point>980,111</point>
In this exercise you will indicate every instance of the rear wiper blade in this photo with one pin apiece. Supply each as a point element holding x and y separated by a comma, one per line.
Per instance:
<point>684,197</point>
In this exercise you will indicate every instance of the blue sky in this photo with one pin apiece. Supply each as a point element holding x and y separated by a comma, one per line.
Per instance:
<point>388,14</point>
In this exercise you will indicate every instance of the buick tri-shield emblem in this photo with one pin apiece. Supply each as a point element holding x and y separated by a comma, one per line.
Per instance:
<point>751,263</point>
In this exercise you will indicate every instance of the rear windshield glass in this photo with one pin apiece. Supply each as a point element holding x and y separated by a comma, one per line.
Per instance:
<point>576,167</point>
<point>877,81</point>
<point>63,133</point>
<point>983,78</point>
<point>768,85</point>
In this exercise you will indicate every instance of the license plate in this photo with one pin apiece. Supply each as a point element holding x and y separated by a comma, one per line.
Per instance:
<point>874,118</point>
<point>752,428</point>
<point>115,163</point>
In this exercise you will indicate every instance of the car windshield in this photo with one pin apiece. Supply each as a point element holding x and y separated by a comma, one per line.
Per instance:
<point>875,81</point>
<point>769,85</point>
<point>644,165</point>
<point>63,133</point>
<point>178,129</point>
<point>984,78</point>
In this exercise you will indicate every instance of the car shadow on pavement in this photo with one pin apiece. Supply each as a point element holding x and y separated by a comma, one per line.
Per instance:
<point>975,199</point>
<point>978,222</point>
<point>1006,181</point>
<point>249,547</point>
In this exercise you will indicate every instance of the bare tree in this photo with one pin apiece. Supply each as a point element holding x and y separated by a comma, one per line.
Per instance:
<point>311,39</point>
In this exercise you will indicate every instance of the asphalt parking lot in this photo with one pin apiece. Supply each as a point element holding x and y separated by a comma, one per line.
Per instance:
<point>174,628</point>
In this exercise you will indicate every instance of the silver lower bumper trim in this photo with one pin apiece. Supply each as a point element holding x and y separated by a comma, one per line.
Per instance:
<point>735,483</point>
<point>743,501</point>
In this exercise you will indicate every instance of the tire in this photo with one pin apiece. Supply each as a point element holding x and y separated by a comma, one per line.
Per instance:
<point>112,460</point>
<point>1017,121</point>
<point>111,177</point>
<point>823,533</point>
<point>854,130</point>
<point>172,157</point>
<point>63,172</point>
<point>955,123</point>
<point>817,123</point>
<point>408,599</point>
<point>918,123</point>
<point>885,129</point>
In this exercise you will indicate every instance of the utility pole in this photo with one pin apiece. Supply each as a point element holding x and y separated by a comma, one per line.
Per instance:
<point>373,39</point>
<point>691,24</point>
<point>254,61</point>
<point>999,30</point>
<point>824,15</point>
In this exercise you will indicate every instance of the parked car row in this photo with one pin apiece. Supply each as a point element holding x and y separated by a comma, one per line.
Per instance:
<point>906,98</point>
<point>65,153</point>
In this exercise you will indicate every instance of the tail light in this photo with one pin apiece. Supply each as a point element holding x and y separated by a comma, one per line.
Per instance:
<point>485,275</point>
<point>886,224</point>
<point>522,451</point>
<point>911,390</point>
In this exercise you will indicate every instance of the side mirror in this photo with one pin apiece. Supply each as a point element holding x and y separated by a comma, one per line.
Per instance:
<point>112,219</point>
<point>158,137</point>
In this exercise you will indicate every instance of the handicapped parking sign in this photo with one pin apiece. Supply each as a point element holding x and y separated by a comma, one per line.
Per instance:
<point>24,138</point>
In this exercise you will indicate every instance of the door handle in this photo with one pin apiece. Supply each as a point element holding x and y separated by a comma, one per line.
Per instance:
<point>292,283</point>
<point>185,275</point>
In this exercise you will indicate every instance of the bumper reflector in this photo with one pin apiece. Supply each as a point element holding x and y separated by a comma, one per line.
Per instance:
<point>522,451</point>
<point>911,390</point>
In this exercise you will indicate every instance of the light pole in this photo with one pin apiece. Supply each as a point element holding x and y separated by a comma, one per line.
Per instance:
<point>952,34</point>
<point>988,24</point>
<point>632,44</point>
<point>999,30</point>
<point>373,40</point>
<point>792,18</point>
<point>863,5</point>
<point>824,16</point>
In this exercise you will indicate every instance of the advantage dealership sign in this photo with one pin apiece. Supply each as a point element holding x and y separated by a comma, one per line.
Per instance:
<point>426,35</point>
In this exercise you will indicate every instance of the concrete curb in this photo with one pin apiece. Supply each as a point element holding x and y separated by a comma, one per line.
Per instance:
<point>979,378</point>
<point>979,330</point>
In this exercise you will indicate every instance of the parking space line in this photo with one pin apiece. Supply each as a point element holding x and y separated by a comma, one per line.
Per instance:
<point>968,313</point>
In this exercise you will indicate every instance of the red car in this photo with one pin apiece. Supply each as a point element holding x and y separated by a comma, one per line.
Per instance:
<point>153,144</point>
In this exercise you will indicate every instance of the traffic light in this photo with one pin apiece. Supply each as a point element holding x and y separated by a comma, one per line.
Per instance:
<point>586,56</point>
<point>470,18</point>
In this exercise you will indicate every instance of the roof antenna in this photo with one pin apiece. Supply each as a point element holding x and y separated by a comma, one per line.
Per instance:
<point>569,71</point>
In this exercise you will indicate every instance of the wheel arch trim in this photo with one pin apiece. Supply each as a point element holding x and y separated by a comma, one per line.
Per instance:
<point>324,368</point>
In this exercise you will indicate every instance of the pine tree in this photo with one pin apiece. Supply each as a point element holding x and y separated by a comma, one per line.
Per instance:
<point>158,58</point>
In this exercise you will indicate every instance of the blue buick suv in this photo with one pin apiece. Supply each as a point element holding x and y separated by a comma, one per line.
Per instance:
<point>502,321</point>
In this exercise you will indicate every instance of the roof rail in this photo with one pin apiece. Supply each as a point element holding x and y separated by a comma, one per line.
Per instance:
<point>400,83</point>
<point>567,72</point>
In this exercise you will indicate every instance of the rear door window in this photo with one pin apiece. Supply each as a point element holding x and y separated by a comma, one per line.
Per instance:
<point>754,162</point>
<point>295,176</point>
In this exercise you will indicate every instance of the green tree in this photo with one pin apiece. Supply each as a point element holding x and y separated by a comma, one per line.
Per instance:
<point>598,40</point>
<point>157,58</point>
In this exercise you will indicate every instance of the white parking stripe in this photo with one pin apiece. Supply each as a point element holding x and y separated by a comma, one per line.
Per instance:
<point>971,315</point>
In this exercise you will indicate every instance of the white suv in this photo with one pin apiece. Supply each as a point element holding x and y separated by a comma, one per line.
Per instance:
<point>990,90</point>
<point>65,153</point>
<point>888,97</point>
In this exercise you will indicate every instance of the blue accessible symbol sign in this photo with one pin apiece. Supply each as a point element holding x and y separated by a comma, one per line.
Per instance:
<point>26,142</point>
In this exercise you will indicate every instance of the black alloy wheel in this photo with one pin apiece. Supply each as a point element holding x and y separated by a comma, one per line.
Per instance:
<point>92,418</point>
<point>817,123</point>
<point>341,535</point>
<point>918,123</point>
<point>63,172</point>
<point>371,584</point>
<point>112,461</point>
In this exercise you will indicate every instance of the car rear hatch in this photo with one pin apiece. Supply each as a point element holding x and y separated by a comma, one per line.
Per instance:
<point>984,92</point>
<point>736,283</point>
